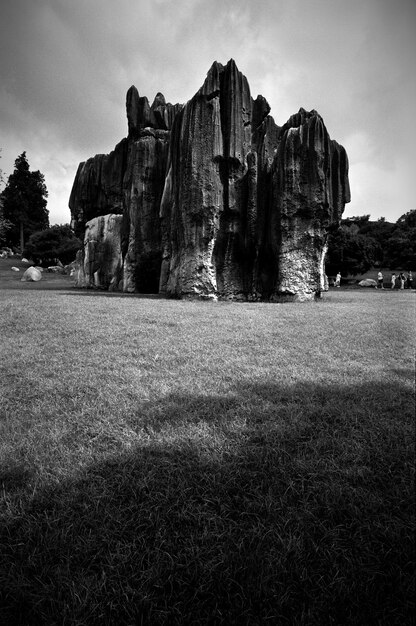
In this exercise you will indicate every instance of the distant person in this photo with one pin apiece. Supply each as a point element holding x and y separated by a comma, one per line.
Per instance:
<point>338,280</point>
<point>393,280</point>
<point>409,280</point>
<point>402,279</point>
<point>380,279</point>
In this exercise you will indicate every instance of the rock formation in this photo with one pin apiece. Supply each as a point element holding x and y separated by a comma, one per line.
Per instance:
<point>101,261</point>
<point>211,199</point>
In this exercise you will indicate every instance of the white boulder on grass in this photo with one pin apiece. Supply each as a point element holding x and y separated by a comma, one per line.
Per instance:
<point>31,274</point>
<point>56,269</point>
<point>367,282</point>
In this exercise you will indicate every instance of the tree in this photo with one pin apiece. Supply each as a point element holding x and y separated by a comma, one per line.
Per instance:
<point>407,220</point>
<point>401,246</point>
<point>24,202</point>
<point>360,244</point>
<point>5,225</point>
<point>1,173</point>
<point>57,242</point>
<point>351,252</point>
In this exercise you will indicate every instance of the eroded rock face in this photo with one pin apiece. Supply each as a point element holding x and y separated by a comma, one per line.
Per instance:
<point>101,262</point>
<point>144,181</point>
<point>98,187</point>
<point>214,199</point>
<point>128,182</point>
<point>309,191</point>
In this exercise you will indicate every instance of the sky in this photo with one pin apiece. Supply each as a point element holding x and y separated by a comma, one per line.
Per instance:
<point>66,66</point>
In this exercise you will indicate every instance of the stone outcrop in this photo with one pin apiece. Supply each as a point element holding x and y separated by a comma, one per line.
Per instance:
<point>144,180</point>
<point>98,187</point>
<point>309,191</point>
<point>212,199</point>
<point>128,183</point>
<point>101,262</point>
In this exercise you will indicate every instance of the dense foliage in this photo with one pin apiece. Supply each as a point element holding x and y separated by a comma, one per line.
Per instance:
<point>4,224</point>
<point>48,246</point>
<point>360,244</point>
<point>1,174</point>
<point>24,203</point>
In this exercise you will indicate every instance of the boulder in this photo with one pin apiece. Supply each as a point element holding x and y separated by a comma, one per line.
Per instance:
<point>368,282</point>
<point>32,274</point>
<point>102,263</point>
<point>56,269</point>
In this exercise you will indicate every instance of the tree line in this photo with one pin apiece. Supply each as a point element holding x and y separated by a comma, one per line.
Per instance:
<point>24,218</point>
<point>356,246</point>
<point>360,244</point>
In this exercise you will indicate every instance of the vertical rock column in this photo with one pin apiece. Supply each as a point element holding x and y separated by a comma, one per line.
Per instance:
<point>238,168</point>
<point>310,188</point>
<point>144,178</point>
<point>143,186</point>
<point>192,198</point>
<point>209,205</point>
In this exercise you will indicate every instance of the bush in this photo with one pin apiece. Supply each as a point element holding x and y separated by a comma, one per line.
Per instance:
<point>48,246</point>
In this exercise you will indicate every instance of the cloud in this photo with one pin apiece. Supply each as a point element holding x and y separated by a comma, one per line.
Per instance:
<point>66,67</point>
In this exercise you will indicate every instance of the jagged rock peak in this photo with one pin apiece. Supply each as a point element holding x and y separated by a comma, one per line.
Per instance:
<point>211,86</point>
<point>298,119</point>
<point>261,110</point>
<point>141,115</point>
<point>220,76</point>
<point>159,100</point>
<point>132,107</point>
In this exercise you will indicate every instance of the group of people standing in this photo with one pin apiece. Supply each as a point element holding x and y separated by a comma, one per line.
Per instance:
<point>404,281</point>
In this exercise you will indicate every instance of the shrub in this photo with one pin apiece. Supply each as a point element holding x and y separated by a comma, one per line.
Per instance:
<point>47,246</point>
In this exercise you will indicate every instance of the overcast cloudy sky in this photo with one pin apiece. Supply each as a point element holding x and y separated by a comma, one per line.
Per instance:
<point>66,66</point>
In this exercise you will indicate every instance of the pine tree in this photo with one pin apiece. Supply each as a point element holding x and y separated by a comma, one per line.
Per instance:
<point>24,202</point>
<point>1,172</point>
<point>5,224</point>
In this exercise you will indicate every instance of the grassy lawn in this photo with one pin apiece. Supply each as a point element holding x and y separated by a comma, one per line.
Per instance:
<point>169,462</point>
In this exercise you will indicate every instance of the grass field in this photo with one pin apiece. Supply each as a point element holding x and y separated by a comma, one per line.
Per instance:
<point>170,462</point>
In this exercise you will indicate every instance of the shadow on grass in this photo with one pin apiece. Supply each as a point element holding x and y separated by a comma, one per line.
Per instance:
<point>115,294</point>
<point>274,505</point>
